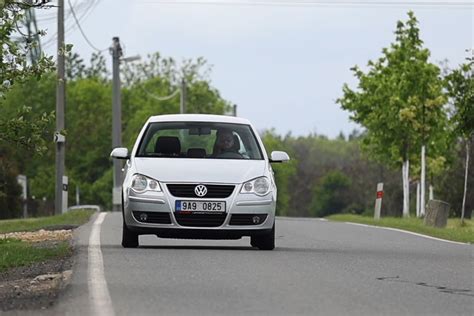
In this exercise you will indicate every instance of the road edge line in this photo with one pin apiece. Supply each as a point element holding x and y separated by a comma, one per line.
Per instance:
<point>99,296</point>
<point>290,218</point>
<point>409,232</point>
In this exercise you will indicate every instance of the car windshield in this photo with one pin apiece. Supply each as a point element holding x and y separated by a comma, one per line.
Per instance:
<point>199,140</point>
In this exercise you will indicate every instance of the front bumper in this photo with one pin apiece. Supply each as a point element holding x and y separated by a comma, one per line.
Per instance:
<point>162,203</point>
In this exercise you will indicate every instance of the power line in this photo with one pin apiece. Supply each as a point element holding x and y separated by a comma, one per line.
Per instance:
<point>89,7</point>
<point>158,98</point>
<point>151,94</point>
<point>52,16</point>
<point>82,31</point>
<point>310,3</point>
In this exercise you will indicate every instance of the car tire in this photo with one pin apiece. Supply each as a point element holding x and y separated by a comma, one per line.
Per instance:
<point>264,242</point>
<point>129,238</point>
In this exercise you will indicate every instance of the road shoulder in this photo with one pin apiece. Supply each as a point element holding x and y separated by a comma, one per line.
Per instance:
<point>37,285</point>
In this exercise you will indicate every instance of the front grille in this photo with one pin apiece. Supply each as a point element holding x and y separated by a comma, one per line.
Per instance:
<point>247,219</point>
<point>152,217</point>
<point>200,220</point>
<point>213,190</point>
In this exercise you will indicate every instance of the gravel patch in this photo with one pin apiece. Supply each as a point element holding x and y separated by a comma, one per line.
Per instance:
<point>36,286</point>
<point>40,235</point>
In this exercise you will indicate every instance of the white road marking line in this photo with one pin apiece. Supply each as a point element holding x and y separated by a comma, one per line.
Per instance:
<point>409,232</point>
<point>99,296</point>
<point>288,218</point>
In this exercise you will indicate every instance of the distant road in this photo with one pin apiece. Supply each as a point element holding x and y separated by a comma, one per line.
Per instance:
<point>318,267</point>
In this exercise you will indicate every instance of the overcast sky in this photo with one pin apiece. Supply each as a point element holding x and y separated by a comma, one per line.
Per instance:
<point>283,66</point>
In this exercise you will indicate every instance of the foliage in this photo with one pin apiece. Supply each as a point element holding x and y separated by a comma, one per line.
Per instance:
<point>76,68</point>
<point>14,67</point>
<point>9,190</point>
<point>26,130</point>
<point>155,77</point>
<point>460,89</point>
<point>400,102</point>
<point>449,186</point>
<point>283,172</point>
<point>330,195</point>
<point>88,119</point>
<point>399,99</point>
<point>22,128</point>
<point>460,86</point>
<point>156,66</point>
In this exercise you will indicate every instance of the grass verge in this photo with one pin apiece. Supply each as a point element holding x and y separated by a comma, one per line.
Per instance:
<point>454,230</point>
<point>76,217</point>
<point>16,253</point>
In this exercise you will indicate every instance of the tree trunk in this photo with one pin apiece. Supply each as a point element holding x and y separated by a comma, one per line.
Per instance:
<point>423,182</point>
<point>403,187</point>
<point>465,182</point>
<point>406,188</point>
<point>418,199</point>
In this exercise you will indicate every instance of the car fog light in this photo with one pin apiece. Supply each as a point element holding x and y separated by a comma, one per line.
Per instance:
<point>143,217</point>
<point>256,220</point>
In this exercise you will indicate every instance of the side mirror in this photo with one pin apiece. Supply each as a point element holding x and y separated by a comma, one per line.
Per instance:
<point>279,156</point>
<point>120,153</point>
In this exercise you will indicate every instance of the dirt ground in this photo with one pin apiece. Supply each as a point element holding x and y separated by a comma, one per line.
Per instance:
<point>38,285</point>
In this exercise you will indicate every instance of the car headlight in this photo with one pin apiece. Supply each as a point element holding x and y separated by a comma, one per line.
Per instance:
<point>140,184</point>
<point>259,186</point>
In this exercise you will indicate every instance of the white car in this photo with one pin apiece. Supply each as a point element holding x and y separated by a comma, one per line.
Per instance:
<point>201,177</point>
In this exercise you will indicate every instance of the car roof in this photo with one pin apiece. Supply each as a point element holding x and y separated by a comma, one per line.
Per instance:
<point>198,118</point>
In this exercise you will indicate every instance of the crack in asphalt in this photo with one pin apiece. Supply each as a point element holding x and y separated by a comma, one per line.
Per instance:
<point>442,289</point>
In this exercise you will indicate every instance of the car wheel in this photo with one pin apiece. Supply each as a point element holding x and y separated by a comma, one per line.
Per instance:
<point>264,242</point>
<point>129,238</point>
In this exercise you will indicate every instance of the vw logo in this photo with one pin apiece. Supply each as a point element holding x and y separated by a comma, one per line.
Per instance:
<point>200,190</point>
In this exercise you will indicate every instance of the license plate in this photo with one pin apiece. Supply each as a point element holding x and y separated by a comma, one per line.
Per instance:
<point>200,206</point>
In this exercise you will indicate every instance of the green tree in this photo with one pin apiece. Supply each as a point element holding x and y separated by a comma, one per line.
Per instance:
<point>88,118</point>
<point>330,195</point>
<point>399,100</point>
<point>283,173</point>
<point>460,87</point>
<point>148,81</point>
<point>14,69</point>
<point>21,128</point>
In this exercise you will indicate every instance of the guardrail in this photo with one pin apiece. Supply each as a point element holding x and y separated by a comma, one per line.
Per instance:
<point>97,208</point>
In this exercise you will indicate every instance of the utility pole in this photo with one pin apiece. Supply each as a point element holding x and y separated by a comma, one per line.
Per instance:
<point>182,104</point>
<point>116,51</point>
<point>60,104</point>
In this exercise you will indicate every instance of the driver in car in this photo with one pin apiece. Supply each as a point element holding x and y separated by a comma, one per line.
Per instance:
<point>225,145</point>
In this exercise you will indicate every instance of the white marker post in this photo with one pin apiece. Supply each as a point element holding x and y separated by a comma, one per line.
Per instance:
<point>378,201</point>
<point>23,182</point>
<point>65,194</point>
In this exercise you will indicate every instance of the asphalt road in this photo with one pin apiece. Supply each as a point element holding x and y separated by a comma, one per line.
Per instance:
<point>318,268</point>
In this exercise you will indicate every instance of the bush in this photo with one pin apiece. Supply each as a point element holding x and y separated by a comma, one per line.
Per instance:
<point>331,194</point>
<point>10,192</point>
<point>354,208</point>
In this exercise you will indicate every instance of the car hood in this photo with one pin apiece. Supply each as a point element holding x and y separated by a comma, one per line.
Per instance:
<point>200,170</point>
